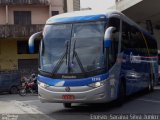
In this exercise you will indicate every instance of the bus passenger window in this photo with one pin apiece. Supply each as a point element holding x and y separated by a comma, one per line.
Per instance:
<point>126,37</point>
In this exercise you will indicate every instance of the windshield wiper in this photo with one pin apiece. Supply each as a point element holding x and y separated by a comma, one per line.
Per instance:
<point>74,51</point>
<point>76,56</point>
<point>65,55</point>
<point>60,62</point>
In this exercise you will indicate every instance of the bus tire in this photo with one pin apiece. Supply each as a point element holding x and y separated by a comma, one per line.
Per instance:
<point>67,105</point>
<point>122,94</point>
<point>151,84</point>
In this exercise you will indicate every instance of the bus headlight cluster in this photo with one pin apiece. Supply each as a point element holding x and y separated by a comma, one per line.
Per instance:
<point>97,84</point>
<point>43,85</point>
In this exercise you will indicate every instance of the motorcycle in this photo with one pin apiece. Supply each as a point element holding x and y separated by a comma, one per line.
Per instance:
<point>29,87</point>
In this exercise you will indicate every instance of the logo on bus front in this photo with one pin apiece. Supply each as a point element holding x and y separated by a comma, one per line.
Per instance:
<point>69,77</point>
<point>67,89</point>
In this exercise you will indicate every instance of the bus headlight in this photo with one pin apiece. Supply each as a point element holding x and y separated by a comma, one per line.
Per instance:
<point>43,85</point>
<point>97,84</point>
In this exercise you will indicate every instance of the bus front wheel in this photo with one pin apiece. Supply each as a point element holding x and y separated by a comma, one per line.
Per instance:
<point>67,105</point>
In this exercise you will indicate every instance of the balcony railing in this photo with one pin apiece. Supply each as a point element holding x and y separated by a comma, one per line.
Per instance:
<point>24,2</point>
<point>19,31</point>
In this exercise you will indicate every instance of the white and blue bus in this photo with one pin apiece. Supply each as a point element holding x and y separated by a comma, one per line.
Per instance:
<point>94,57</point>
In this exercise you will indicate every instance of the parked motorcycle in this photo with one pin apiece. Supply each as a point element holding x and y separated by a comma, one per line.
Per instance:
<point>29,86</point>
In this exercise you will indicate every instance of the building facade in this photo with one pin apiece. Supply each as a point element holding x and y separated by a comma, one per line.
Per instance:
<point>19,19</point>
<point>73,5</point>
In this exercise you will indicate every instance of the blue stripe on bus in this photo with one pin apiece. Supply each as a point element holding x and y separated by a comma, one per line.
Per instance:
<point>72,82</point>
<point>74,19</point>
<point>31,49</point>
<point>107,43</point>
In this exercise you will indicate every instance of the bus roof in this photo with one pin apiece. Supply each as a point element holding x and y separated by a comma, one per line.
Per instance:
<point>76,16</point>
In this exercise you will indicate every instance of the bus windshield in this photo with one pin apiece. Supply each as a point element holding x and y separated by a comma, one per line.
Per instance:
<point>73,48</point>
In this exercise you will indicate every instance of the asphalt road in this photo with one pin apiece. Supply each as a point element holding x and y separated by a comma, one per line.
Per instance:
<point>30,108</point>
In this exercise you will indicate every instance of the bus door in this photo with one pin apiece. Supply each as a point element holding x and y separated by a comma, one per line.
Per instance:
<point>112,57</point>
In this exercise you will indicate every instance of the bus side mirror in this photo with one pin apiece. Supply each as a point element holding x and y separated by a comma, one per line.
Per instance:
<point>31,41</point>
<point>108,36</point>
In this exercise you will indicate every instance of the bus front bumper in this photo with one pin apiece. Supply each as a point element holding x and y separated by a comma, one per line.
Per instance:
<point>94,95</point>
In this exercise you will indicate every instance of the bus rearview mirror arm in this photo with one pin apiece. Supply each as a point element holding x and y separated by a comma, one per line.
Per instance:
<point>108,36</point>
<point>31,41</point>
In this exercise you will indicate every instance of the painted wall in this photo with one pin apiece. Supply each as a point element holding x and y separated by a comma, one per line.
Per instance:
<point>9,57</point>
<point>2,15</point>
<point>56,5</point>
<point>39,14</point>
<point>56,2</point>
<point>70,5</point>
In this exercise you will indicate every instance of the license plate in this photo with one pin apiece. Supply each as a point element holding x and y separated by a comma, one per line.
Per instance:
<point>68,97</point>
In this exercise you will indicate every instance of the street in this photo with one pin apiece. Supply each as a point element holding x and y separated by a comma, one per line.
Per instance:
<point>30,108</point>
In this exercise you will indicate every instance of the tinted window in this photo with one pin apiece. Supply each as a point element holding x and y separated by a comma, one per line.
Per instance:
<point>132,39</point>
<point>136,36</point>
<point>126,37</point>
<point>151,44</point>
<point>113,50</point>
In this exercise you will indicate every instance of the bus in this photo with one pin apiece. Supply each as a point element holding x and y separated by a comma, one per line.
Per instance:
<point>158,66</point>
<point>94,57</point>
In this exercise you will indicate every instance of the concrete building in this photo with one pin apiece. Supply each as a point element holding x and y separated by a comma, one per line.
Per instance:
<point>18,20</point>
<point>73,5</point>
<point>144,12</point>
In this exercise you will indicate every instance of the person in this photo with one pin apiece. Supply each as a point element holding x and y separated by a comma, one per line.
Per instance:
<point>34,80</point>
<point>24,79</point>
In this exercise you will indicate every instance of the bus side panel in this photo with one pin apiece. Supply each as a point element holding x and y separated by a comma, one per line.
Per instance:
<point>114,79</point>
<point>135,74</point>
<point>136,61</point>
